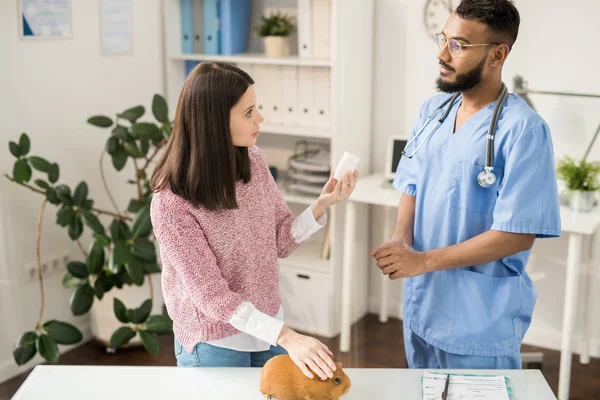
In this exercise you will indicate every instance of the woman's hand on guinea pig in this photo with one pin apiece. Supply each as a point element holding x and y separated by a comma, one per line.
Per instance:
<point>307,352</point>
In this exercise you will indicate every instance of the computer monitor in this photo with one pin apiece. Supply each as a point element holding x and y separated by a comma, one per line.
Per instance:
<point>395,147</point>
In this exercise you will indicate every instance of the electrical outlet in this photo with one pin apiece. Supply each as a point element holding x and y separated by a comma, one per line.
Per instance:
<point>50,265</point>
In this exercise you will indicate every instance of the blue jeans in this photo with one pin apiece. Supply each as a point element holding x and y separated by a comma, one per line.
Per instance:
<point>421,354</point>
<point>206,355</point>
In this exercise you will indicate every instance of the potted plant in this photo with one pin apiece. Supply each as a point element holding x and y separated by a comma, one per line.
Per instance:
<point>275,29</point>
<point>122,253</point>
<point>581,179</point>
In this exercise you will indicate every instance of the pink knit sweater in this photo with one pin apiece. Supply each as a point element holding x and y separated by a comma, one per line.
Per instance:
<point>215,260</point>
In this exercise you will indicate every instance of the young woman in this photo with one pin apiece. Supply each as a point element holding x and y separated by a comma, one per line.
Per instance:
<point>221,223</point>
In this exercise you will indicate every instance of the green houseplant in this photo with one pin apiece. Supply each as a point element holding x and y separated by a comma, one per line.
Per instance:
<point>581,179</point>
<point>122,253</point>
<point>275,29</point>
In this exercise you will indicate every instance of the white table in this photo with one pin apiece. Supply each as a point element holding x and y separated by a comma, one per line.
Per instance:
<point>160,383</point>
<point>370,190</point>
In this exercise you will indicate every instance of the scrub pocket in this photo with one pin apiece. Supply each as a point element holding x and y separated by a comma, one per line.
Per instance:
<point>486,307</point>
<point>468,195</point>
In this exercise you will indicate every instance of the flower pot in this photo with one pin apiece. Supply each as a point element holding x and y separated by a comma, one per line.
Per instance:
<point>103,320</point>
<point>275,46</point>
<point>582,201</point>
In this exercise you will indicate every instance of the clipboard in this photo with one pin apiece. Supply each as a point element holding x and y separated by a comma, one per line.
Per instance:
<point>507,382</point>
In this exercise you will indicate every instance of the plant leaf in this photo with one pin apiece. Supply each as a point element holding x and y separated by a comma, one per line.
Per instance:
<point>139,315</point>
<point>70,282</point>
<point>142,224</point>
<point>22,171</point>
<point>119,230</point>
<point>65,216</point>
<point>121,337</point>
<point>52,196</point>
<point>151,343</point>
<point>136,205</point>
<point>121,133</point>
<point>160,109</point>
<point>120,310</point>
<point>103,239</point>
<point>54,173</point>
<point>144,130</point>
<point>132,149</point>
<point>135,270</point>
<point>132,114</point>
<point>48,348</point>
<point>82,299</point>
<point>28,339</point>
<point>159,324</point>
<point>101,286</point>
<point>75,228</point>
<point>95,258</point>
<point>62,332</point>
<point>112,144</point>
<point>39,164</point>
<point>100,121</point>
<point>144,250</point>
<point>78,269</point>
<point>92,221</point>
<point>145,146</point>
<point>24,144</point>
<point>15,150</point>
<point>81,193</point>
<point>26,348</point>
<point>119,159</point>
<point>42,183</point>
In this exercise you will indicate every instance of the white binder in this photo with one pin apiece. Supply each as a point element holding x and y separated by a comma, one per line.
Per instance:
<point>306,97</point>
<point>290,109</point>
<point>304,29</point>
<point>261,85</point>
<point>322,104</point>
<point>198,35</point>
<point>274,89</point>
<point>321,29</point>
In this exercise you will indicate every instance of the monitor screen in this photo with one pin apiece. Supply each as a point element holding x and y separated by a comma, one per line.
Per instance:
<point>397,153</point>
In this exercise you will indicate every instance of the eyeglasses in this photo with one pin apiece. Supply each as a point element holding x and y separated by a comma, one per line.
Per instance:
<point>454,46</point>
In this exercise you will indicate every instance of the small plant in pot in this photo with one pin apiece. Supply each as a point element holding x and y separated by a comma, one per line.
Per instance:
<point>581,179</point>
<point>275,29</point>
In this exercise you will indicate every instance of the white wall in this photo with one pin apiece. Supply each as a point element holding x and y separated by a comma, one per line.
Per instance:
<point>49,89</point>
<point>555,51</point>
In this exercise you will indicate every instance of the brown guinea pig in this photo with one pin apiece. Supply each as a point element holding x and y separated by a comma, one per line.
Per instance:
<point>281,379</point>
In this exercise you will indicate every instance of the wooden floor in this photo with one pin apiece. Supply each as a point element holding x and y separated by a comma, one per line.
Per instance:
<point>374,345</point>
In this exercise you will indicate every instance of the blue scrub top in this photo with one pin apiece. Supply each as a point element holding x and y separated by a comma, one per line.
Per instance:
<point>481,310</point>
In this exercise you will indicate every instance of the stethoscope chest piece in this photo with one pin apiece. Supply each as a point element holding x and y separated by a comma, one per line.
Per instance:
<point>486,179</point>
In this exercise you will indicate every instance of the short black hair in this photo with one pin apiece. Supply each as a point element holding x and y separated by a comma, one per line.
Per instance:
<point>501,17</point>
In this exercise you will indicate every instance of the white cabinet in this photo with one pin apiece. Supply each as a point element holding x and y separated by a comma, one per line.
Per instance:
<point>330,101</point>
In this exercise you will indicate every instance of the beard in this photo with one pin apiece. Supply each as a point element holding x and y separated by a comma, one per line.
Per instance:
<point>464,82</point>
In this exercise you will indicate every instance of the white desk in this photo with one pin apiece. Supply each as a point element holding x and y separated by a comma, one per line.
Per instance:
<point>369,190</point>
<point>160,383</point>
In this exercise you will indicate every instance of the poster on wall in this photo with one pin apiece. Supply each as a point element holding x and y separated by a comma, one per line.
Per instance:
<point>45,19</point>
<point>116,16</point>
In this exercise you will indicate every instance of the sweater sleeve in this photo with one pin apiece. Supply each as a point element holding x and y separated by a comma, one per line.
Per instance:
<point>284,217</point>
<point>184,246</point>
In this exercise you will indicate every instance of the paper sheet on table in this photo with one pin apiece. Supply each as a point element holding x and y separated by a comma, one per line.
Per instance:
<point>464,387</point>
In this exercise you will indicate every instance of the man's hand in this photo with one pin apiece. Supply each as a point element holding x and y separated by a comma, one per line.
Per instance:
<point>396,259</point>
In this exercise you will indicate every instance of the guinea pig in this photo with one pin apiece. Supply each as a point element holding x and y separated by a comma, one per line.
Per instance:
<point>281,379</point>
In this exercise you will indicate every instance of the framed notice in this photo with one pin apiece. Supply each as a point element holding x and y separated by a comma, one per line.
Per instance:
<point>44,19</point>
<point>116,26</point>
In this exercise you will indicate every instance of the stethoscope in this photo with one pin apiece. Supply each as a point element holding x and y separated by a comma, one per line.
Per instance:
<point>486,178</point>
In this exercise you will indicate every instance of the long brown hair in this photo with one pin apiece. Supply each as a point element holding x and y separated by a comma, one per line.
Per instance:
<point>199,161</point>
